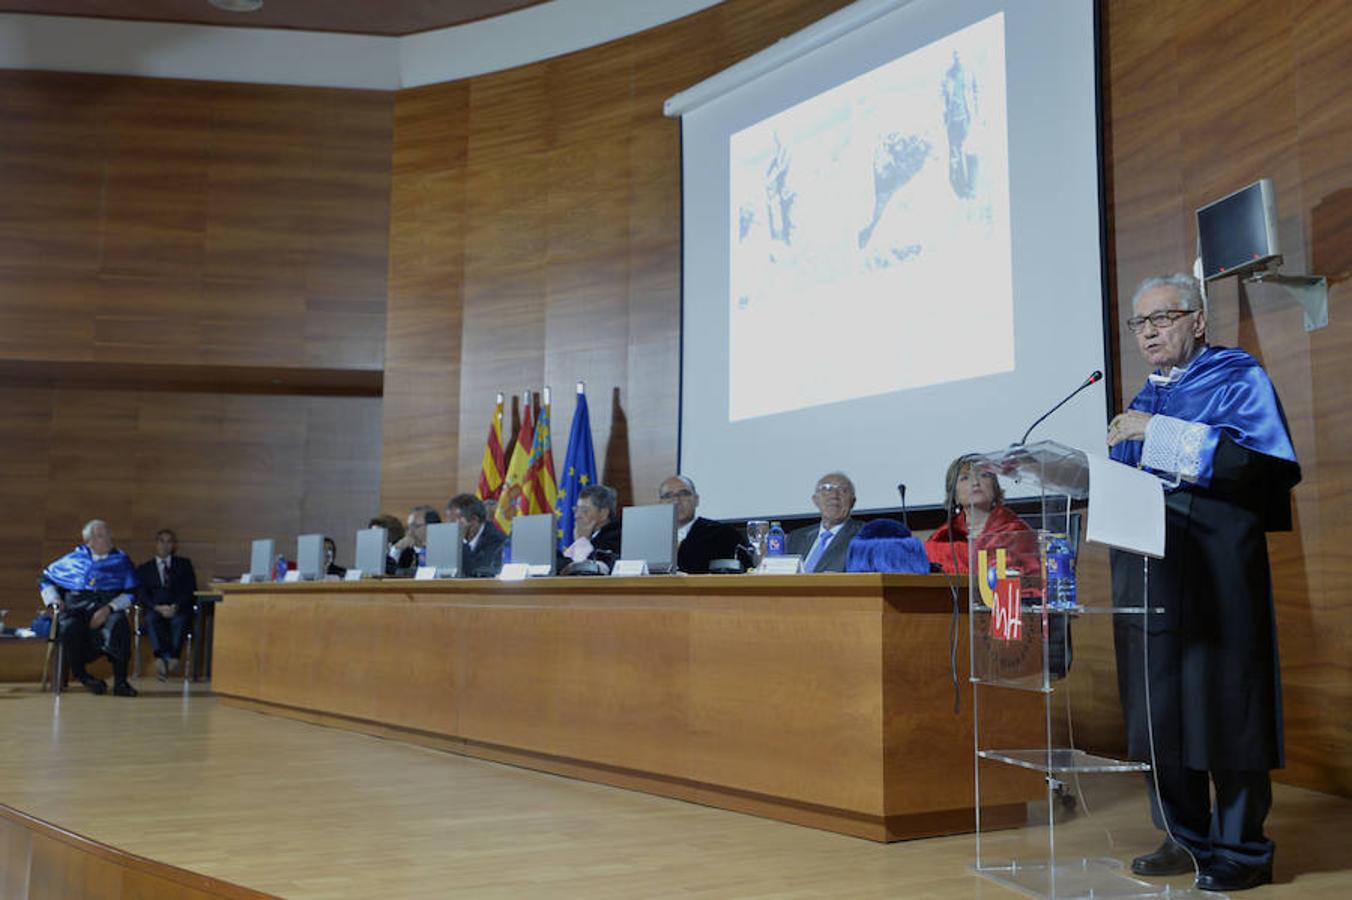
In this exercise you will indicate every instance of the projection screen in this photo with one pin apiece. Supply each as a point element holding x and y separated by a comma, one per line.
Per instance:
<point>891,251</point>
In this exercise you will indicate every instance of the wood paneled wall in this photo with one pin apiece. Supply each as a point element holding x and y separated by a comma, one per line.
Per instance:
<point>198,223</point>
<point>220,469</point>
<point>184,268</point>
<point>535,239</point>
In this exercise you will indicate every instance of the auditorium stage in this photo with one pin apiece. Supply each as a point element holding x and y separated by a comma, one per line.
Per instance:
<point>300,810</point>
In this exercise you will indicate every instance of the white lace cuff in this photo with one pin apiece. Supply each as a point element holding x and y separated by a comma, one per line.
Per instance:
<point>50,595</point>
<point>1175,445</point>
<point>121,602</point>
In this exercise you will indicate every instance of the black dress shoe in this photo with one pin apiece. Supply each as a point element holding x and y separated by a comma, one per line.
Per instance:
<point>123,689</point>
<point>92,684</point>
<point>1169,859</point>
<point>1226,875</point>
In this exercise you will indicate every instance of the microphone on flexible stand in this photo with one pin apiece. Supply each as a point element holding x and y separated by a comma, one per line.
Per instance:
<point>1094,378</point>
<point>901,489</point>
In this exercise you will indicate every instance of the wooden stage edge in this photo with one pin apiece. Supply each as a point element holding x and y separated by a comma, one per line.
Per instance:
<point>58,859</point>
<point>875,828</point>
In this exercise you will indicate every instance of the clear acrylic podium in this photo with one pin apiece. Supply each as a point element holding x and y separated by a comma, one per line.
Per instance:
<point>1079,840</point>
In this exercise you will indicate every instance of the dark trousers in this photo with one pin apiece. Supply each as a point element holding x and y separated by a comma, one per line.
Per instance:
<point>82,644</point>
<point>1232,829</point>
<point>166,635</point>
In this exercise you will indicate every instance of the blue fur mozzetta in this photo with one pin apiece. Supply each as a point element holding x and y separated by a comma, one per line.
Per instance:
<point>886,545</point>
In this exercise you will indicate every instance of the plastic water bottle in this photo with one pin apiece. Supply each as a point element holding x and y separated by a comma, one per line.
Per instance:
<point>1055,573</point>
<point>1060,574</point>
<point>279,570</point>
<point>774,543</point>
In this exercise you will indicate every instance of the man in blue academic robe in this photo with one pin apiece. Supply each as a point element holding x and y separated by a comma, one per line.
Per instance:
<point>89,589</point>
<point>1208,422</point>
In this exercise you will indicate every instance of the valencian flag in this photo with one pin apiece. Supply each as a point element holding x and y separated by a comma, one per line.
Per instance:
<point>494,466</point>
<point>512,501</point>
<point>542,489</point>
<point>579,466</point>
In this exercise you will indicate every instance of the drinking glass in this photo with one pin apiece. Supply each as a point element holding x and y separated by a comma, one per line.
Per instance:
<point>757,532</point>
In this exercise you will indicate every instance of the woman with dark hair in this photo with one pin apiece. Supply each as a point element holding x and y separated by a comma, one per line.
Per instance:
<point>977,514</point>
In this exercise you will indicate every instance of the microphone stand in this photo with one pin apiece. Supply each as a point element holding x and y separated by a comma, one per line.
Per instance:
<point>1092,379</point>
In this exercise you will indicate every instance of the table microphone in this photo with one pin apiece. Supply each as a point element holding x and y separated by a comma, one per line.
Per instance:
<point>1094,377</point>
<point>901,489</point>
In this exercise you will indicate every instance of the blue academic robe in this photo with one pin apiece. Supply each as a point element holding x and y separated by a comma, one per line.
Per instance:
<point>1227,390</point>
<point>1214,681</point>
<point>79,571</point>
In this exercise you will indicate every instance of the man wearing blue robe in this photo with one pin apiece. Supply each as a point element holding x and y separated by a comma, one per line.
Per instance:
<point>1209,423</point>
<point>89,589</point>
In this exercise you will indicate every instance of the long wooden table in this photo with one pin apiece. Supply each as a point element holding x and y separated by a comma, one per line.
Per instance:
<point>824,700</point>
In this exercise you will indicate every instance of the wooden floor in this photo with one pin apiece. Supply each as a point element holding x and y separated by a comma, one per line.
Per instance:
<point>304,811</point>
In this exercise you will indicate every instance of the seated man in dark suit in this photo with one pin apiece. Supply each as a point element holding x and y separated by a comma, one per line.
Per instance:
<point>394,532</point>
<point>700,540</point>
<point>596,527</point>
<point>89,590</point>
<point>824,545</point>
<point>410,551</point>
<point>482,553</point>
<point>166,594</point>
<point>331,566</point>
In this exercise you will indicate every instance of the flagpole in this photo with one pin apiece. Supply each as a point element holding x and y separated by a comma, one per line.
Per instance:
<point>546,395</point>
<point>582,387</point>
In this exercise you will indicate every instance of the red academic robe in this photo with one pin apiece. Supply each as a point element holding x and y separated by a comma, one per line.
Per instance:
<point>1003,529</point>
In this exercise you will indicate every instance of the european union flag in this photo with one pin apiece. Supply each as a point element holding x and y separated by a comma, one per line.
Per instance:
<point>579,468</point>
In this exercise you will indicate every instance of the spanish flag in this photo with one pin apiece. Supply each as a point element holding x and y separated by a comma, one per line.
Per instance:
<point>492,469</point>
<point>512,501</point>
<point>542,489</point>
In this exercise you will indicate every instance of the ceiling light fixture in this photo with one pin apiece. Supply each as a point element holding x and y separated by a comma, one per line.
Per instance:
<point>237,5</point>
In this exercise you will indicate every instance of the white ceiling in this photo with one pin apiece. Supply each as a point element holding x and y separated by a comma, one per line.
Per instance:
<point>325,59</point>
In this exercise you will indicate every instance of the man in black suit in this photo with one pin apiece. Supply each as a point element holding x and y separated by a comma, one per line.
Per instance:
<point>410,551</point>
<point>167,586</point>
<point>700,540</point>
<point>481,556</point>
<point>824,545</point>
<point>596,527</point>
<point>331,566</point>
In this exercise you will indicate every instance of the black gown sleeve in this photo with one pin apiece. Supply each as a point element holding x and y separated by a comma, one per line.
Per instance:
<point>1255,481</point>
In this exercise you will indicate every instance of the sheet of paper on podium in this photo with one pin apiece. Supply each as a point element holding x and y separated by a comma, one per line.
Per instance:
<point>1126,507</point>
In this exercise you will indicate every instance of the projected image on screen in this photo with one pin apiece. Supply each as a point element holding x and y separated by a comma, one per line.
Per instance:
<point>869,246</point>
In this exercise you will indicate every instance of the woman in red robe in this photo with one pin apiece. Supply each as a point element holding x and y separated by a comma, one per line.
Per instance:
<point>977,514</point>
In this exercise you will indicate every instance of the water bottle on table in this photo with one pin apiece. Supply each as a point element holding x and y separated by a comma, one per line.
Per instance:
<point>1060,574</point>
<point>775,540</point>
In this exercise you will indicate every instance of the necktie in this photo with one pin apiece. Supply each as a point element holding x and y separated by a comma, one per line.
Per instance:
<point>164,572</point>
<point>817,550</point>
